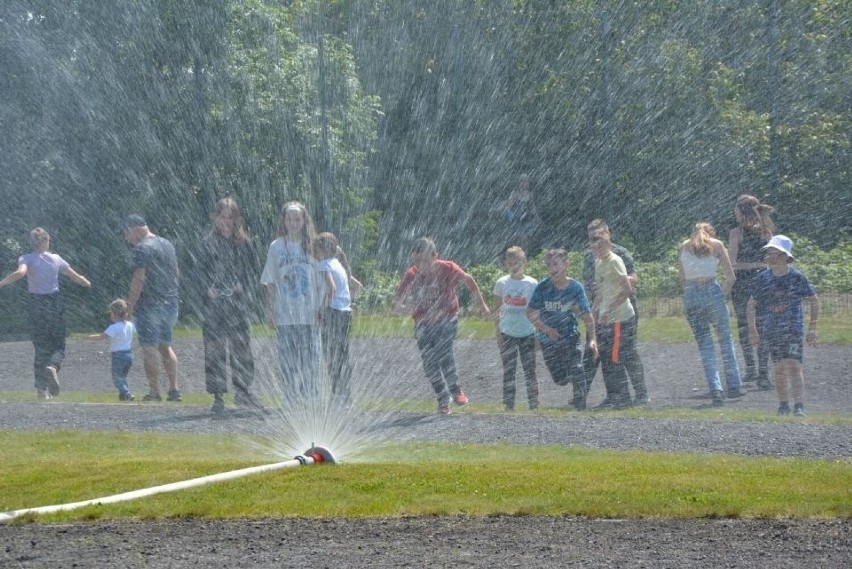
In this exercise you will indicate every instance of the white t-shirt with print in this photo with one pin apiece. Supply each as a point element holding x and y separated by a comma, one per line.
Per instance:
<point>515,295</point>
<point>294,275</point>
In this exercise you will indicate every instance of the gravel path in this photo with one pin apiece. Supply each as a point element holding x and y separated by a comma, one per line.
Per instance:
<point>391,367</point>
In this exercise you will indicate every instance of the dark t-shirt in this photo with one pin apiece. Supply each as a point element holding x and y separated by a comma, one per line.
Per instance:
<point>780,300</point>
<point>157,256</point>
<point>558,308</point>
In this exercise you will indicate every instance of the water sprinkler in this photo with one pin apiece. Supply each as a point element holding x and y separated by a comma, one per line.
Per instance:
<point>314,455</point>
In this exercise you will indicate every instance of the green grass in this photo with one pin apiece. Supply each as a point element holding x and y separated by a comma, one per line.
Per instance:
<point>833,329</point>
<point>412,480</point>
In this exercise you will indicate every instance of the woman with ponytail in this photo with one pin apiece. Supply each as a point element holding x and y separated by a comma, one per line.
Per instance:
<point>753,231</point>
<point>704,305</point>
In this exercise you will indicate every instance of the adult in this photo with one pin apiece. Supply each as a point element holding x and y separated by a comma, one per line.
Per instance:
<point>632,362</point>
<point>46,309</point>
<point>746,241</point>
<point>227,265</point>
<point>699,259</point>
<point>153,302</point>
<point>522,216</point>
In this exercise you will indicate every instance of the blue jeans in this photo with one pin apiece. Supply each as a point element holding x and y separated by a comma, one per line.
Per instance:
<point>299,355</point>
<point>121,362</point>
<point>704,304</point>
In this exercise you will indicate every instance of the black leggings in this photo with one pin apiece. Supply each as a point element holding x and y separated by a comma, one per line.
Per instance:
<point>740,295</point>
<point>512,348</point>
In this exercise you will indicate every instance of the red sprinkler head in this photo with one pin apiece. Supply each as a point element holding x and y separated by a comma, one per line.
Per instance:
<point>320,455</point>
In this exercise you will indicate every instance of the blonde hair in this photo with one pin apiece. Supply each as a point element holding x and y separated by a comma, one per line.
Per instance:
<point>308,231</point>
<point>700,243</point>
<point>515,252</point>
<point>325,246</point>
<point>118,308</point>
<point>756,216</point>
<point>39,238</point>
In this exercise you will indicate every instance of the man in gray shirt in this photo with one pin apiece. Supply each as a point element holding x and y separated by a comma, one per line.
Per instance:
<point>153,302</point>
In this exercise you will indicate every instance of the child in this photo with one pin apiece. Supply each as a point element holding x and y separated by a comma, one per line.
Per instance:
<point>778,294</point>
<point>120,336</point>
<point>336,320</point>
<point>431,283</point>
<point>615,319</point>
<point>552,310</point>
<point>515,332</point>
<point>226,271</point>
<point>293,301</point>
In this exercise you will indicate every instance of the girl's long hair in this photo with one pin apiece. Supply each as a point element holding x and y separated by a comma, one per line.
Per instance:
<point>308,232</point>
<point>756,216</point>
<point>700,243</point>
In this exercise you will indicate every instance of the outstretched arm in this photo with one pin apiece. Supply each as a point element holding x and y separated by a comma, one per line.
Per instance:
<point>77,277</point>
<point>15,275</point>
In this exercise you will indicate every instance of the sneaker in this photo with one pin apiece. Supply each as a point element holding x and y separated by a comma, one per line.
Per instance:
<point>784,408</point>
<point>52,380</point>
<point>218,405</point>
<point>461,399</point>
<point>578,403</point>
<point>717,398</point>
<point>508,408</point>
<point>126,396</point>
<point>42,395</point>
<point>641,400</point>
<point>444,408</point>
<point>764,384</point>
<point>247,400</point>
<point>799,410</point>
<point>735,393</point>
<point>174,395</point>
<point>152,397</point>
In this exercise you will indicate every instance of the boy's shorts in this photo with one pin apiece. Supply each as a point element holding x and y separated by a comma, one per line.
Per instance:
<point>155,324</point>
<point>785,347</point>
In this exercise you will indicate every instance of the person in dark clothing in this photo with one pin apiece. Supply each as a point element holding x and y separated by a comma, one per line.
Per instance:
<point>745,243</point>
<point>227,265</point>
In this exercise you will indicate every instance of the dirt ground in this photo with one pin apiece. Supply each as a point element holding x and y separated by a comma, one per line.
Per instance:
<point>392,367</point>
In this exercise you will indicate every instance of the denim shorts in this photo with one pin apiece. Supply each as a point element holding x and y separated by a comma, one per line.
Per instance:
<point>155,324</point>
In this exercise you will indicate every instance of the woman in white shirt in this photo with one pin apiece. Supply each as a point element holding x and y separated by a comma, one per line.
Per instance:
<point>704,304</point>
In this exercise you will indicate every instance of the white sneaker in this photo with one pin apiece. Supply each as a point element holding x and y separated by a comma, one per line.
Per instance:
<point>52,380</point>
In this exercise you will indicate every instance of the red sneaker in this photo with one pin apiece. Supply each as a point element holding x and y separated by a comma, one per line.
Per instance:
<point>461,399</point>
